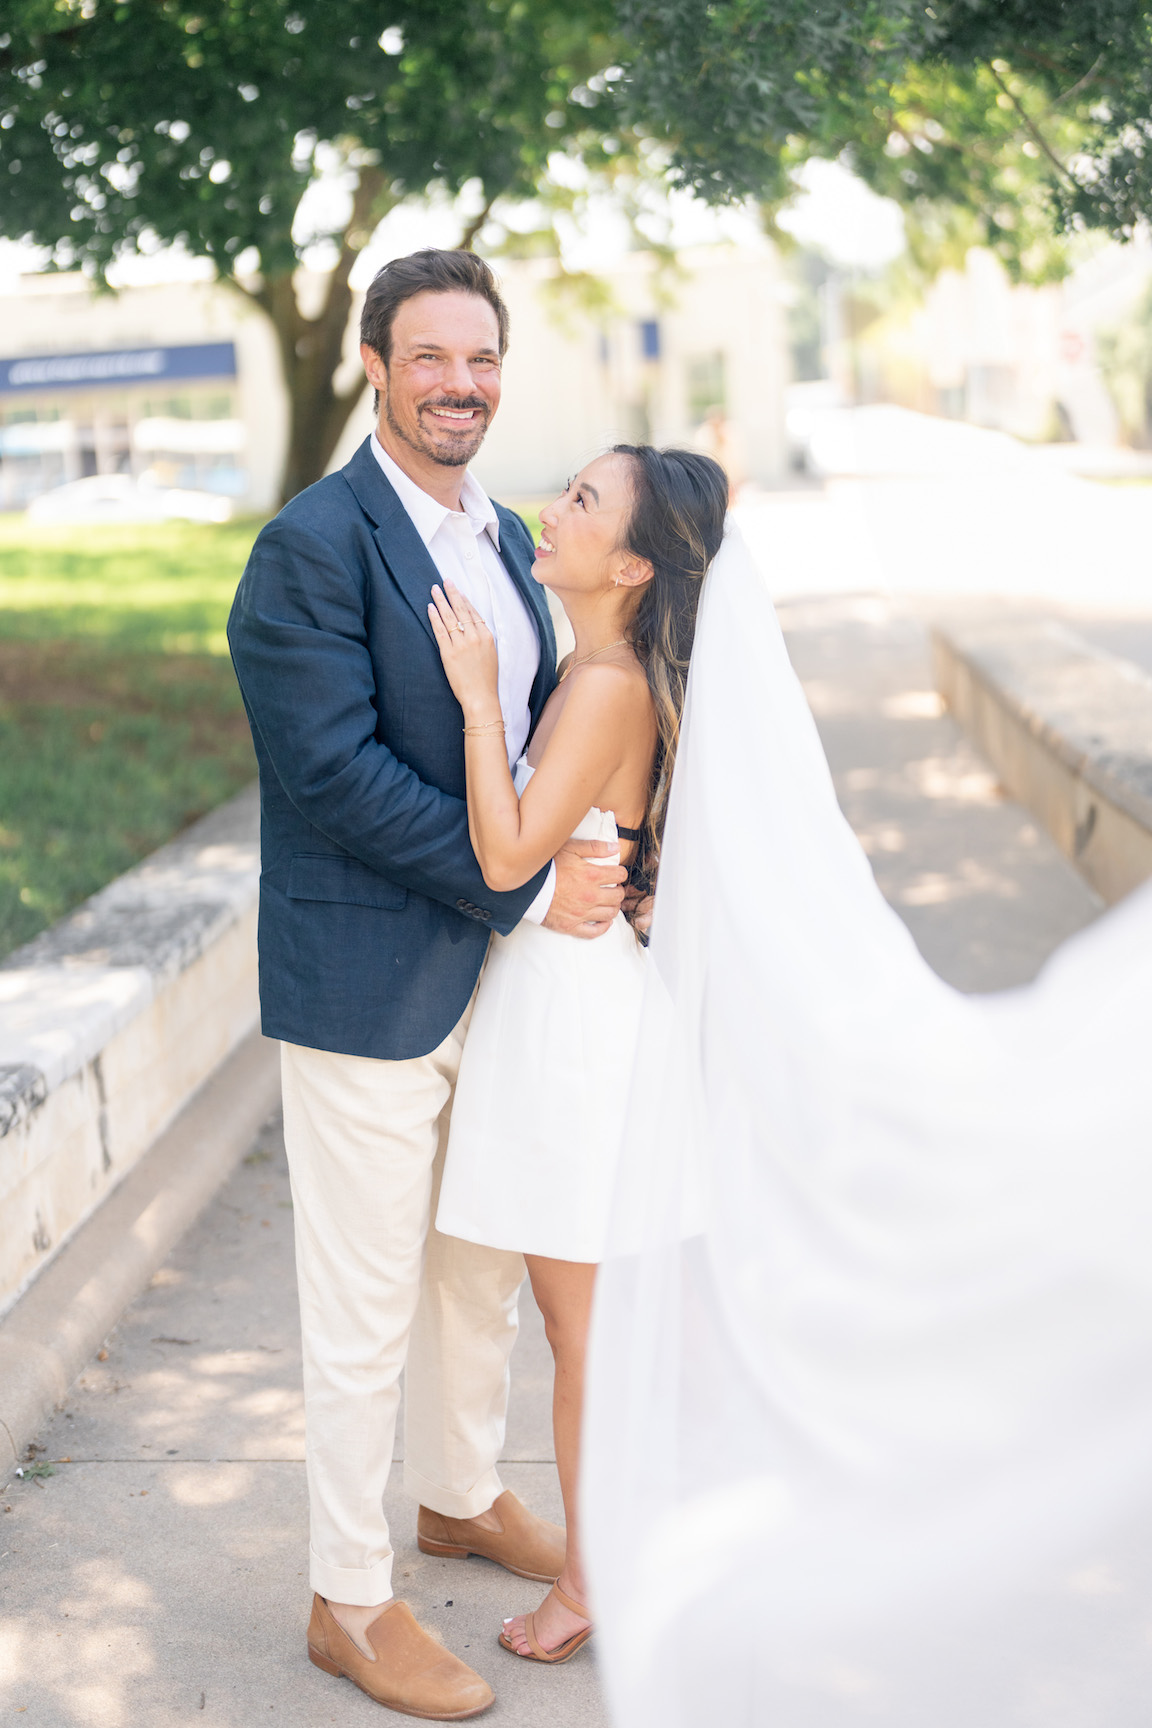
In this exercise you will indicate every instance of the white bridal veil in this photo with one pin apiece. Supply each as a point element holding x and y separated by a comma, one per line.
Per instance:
<point>869,1432</point>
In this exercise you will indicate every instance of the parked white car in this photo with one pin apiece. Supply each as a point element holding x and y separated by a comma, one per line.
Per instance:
<point>123,498</point>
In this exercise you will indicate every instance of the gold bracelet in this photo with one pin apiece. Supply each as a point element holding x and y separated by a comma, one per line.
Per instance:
<point>493,727</point>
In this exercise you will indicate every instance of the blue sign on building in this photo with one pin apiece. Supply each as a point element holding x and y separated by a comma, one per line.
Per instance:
<point>118,366</point>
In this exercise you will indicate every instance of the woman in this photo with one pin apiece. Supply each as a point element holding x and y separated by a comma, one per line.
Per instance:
<point>542,1091</point>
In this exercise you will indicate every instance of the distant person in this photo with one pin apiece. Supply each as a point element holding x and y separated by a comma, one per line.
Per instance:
<point>717,439</point>
<point>374,923</point>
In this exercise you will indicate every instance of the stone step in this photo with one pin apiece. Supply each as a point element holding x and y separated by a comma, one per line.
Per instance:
<point>1068,727</point>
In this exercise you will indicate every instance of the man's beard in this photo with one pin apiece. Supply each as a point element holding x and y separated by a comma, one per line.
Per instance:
<point>457,454</point>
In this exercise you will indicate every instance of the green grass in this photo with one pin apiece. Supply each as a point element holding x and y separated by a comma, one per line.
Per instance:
<point>160,587</point>
<point>529,509</point>
<point>120,721</point>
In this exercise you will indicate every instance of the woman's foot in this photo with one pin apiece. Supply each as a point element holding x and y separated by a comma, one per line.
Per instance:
<point>554,1625</point>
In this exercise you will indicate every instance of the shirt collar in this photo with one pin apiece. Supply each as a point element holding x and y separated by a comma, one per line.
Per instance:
<point>428,515</point>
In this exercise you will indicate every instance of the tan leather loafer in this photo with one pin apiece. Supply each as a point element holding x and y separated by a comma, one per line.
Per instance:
<point>524,1544</point>
<point>412,1673</point>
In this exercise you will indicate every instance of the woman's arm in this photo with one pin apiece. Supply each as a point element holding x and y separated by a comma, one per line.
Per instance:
<point>513,837</point>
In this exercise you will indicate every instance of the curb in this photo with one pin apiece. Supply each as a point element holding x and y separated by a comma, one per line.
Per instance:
<point>112,1020</point>
<point>1068,728</point>
<point>53,1330</point>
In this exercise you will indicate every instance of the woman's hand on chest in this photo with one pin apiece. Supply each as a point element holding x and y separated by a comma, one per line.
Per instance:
<point>467,651</point>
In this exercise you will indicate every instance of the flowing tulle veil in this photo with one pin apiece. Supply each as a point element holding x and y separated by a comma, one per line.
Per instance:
<point>869,1431</point>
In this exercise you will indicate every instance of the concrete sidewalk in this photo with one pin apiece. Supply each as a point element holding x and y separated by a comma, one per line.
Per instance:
<point>985,892</point>
<point>158,1577</point>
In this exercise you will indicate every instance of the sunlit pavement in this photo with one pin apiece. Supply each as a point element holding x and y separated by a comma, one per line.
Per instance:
<point>917,506</point>
<point>985,892</point>
<point>158,1577</point>
<point>924,520</point>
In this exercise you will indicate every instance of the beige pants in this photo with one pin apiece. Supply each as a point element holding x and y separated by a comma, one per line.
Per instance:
<point>366,1143</point>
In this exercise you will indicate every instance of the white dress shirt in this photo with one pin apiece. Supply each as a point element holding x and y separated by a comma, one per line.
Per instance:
<point>464,545</point>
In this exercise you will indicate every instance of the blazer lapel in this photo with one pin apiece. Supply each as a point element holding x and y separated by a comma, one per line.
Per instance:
<point>405,554</point>
<point>411,566</point>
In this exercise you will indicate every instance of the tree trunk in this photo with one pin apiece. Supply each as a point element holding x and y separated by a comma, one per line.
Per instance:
<point>310,352</point>
<point>311,349</point>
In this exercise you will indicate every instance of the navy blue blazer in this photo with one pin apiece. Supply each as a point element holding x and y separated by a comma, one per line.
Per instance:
<point>374,916</point>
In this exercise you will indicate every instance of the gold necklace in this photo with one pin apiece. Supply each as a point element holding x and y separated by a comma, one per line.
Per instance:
<point>622,643</point>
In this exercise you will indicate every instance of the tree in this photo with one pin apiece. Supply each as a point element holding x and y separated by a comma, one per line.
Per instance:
<point>130,123</point>
<point>1000,121</point>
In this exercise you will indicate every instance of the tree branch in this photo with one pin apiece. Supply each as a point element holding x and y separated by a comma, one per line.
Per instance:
<point>256,295</point>
<point>473,228</point>
<point>353,393</point>
<point>970,148</point>
<point>1080,84</point>
<point>1037,136</point>
<point>369,186</point>
<point>1047,63</point>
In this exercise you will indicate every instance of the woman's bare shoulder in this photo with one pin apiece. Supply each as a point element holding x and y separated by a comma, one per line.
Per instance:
<point>607,700</point>
<point>614,682</point>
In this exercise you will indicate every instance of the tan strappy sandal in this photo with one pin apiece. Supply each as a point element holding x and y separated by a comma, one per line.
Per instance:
<point>563,1651</point>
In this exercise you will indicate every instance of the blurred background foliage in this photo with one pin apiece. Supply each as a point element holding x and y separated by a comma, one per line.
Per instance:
<point>134,124</point>
<point>1124,354</point>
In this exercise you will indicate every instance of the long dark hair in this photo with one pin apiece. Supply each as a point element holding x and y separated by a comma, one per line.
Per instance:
<point>679,500</point>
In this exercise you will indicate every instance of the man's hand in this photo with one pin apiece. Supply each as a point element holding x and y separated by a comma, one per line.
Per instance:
<point>589,893</point>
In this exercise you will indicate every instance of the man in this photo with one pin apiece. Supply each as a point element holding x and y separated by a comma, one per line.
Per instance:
<point>374,921</point>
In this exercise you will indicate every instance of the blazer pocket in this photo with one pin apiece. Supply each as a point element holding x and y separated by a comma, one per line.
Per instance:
<point>321,876</point>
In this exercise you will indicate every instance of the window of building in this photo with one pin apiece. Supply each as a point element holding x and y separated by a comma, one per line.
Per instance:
<point>70,429</point>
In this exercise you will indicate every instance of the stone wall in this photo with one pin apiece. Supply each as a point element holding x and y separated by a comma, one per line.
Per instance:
<point>1068,727</point>
<point>111,1021</point>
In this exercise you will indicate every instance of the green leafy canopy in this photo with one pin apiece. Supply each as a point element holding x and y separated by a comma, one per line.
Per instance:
<point>142,123</point>
<point>128,122</point>
<point>1001,121</point>
<point>139,123</point>
<point>132,120</point>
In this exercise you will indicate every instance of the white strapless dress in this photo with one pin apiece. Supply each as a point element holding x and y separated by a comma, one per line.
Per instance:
<point>543,1086</point>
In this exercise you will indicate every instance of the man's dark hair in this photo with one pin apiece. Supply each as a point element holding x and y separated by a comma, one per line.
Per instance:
<point>431,271</point>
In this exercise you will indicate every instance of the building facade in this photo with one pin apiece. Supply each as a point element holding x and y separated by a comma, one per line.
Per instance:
<point>162,381</point>
<point>695,356</point>
<point>179,384</point>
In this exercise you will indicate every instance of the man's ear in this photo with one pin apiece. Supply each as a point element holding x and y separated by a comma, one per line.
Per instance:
<point>375,370</point>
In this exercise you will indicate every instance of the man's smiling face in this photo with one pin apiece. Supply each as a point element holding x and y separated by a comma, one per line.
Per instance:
<point>441,384</point>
